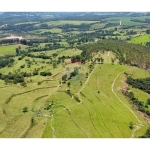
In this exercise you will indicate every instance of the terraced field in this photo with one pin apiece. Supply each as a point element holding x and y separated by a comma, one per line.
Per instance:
<point>103,114</point>
<point>93,108</point>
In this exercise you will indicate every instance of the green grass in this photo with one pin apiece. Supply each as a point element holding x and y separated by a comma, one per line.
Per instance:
<point>7,49</point>
<point>37,129</point>
<point>10,49</point>
<point>69,22</point>
<point>141,39</point>
<point>53,30</point>
<point>103,114</point>
<point>47,132</point>
<point>142,18</point>
<point>139,73</point>
<point>111,108</point>
<point>100,115</point>
<point>126,21</point>
<point>97,25</point>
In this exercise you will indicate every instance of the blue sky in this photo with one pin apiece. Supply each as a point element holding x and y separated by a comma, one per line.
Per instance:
<point>75,5</point>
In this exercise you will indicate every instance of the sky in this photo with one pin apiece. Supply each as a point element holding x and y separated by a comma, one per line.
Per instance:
<point>75,5</point>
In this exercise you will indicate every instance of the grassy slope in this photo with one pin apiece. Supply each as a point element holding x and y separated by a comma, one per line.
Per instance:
<point>115,115</point>
<point>139,73</point>
<point>141,39</point>
<point>99,114</point>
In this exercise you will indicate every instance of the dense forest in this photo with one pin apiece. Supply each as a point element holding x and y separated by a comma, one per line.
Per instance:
<point>142,84</point>
<point>127,53</point>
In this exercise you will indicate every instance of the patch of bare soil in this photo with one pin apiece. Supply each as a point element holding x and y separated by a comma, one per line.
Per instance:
<point>124,87</point>
<point>146,117</point>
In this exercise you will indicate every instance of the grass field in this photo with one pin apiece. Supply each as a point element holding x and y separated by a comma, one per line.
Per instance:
<point>69,22</point>
<point>125,21</point>
<point>10,49</point>
<point>99,115</point>
<point>7,49</point>
<point>141,39</point>
<point>54,30</point>
<point>94,108</point>
<point>97,25</point>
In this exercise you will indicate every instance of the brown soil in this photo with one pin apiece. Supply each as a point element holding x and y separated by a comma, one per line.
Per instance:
<point>146,117</point>
<point>125,85</point>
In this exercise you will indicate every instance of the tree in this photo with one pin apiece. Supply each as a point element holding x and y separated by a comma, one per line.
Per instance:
<point>54,54</point>
<point>90,67</point>
<point>25,109</point>
<point>98,59</point>
<point>68,85</point>
<point>19,47</point>
<point>86,74</point>
<point>23,84</point>
<point>131,125</point>
<point>64,77</point>
<point>17,51</point>
<point>54,64</point>
<point>112,60</point>
<point>102,60</point>
<point>148,101</point>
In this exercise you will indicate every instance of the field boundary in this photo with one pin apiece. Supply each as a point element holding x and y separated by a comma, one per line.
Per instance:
<point>140,123</point>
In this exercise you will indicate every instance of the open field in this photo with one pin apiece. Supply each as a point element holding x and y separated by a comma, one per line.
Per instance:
<point>125,21</point>
<point>71,83</point>
<point>69,22</point>
<point>141,39</point>
<point>7,49</point>
<point>10,49</point>
<point>94,108</point>
<point>54,30</point>
<point>97,25</point>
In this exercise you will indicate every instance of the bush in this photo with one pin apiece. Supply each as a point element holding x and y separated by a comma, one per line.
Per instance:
<point>25,109</point>
<point>45,73</point>
<point>131,125</point>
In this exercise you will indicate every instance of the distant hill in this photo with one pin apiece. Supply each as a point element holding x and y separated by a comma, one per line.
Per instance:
<point>34,16</point>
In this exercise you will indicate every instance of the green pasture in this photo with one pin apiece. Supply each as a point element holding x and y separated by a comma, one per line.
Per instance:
<point>70,52</point>
<point>142,18</point>
<point>10,49</point>
<point>28,22</point>
<point>125,21</point>
<point>141,39</point>
<point>53,30</point>
<point>139,73</point>
<point>98,25</point>
<point>62,22</point>
<point>103,114</point>
<point>80,110</point>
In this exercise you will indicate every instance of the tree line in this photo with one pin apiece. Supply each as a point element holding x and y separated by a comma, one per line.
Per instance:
<point>142,84</point>
<point>126,53</point>
<point>6,61</point>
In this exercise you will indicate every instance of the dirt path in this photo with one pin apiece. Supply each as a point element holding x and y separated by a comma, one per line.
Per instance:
<point>52,127</point>
<point>138,126</point>
<point>79,98</point>
<point>86,82</point>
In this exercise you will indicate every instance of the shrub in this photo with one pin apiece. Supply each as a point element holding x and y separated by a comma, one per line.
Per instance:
<point>25,109</point>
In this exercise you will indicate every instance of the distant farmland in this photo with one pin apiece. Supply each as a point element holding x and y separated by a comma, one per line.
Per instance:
<point>141,39</point>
